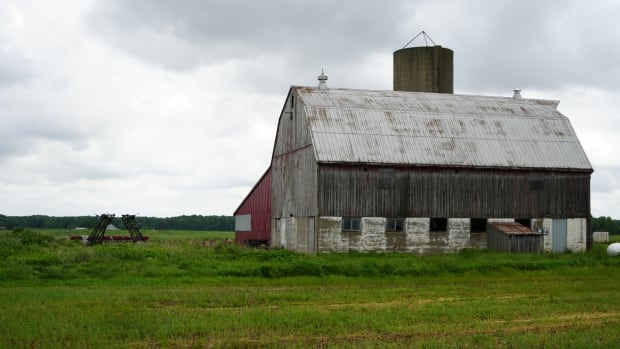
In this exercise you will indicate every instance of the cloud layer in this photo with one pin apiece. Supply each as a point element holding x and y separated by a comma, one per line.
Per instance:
<point>167,108</point>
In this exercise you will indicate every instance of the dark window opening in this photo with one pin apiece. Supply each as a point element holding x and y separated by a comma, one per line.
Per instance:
<point>536,181</point>
<point>439,224</point>
<point>537,185</point>
<point>395,224</point>
<point>478,225</point>
<point>386,178</point>
<point>524,221</point>
<point>351,224</point>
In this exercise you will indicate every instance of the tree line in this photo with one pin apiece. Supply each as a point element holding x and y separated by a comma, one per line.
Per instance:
<point>606,224</point>
<point>193,222</point>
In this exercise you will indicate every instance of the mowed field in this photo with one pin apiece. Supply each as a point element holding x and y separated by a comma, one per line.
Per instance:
<point>176,291</point>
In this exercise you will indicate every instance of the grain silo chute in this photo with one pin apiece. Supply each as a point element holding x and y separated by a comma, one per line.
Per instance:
<point>424,68</point>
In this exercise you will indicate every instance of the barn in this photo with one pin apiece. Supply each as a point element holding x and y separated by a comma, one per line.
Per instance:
<point>253,216</point>
<point>420,169</point>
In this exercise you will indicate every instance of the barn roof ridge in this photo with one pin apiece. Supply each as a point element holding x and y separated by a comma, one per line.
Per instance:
<point>434,95</point>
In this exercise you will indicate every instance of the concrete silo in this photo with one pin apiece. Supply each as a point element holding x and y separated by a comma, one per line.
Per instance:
<point>424,69</point>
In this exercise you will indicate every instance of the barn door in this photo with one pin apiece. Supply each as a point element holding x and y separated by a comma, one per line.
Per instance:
<point>558,237</point>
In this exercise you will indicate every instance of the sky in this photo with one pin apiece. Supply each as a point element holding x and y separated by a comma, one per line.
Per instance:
<point>166,108</point>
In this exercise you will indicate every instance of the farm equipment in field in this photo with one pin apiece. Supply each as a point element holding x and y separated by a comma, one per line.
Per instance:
<point>98,233</point>
<point>97,236</point>
<point>129,220</point>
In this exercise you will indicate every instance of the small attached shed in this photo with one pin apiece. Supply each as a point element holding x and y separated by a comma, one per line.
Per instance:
<point>253,216</point>
<point>513,237</point>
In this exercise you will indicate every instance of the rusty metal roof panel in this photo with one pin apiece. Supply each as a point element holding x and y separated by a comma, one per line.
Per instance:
<point>510,228</point>
<point>414,128</point>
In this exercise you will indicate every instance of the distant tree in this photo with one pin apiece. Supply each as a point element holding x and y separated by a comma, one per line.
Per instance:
<point>606,224</point>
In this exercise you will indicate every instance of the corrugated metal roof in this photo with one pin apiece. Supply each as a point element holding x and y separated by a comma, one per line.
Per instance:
<point>431,129</point>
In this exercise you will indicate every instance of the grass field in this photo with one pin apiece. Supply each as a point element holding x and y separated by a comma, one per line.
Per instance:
<point>174,292</point>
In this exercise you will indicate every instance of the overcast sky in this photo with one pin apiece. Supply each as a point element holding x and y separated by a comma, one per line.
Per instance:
<point>165,108</point>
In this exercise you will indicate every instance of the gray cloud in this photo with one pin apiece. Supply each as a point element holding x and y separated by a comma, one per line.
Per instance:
<point>14,66</point>
<point>173,105</point>
<point>499,45</point>
<point>540,44</point>
<point>26,125</point>
<point>190,33</point>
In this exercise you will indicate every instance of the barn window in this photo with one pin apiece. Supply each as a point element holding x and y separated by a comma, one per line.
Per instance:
<point>478,225</point>
<point>536,181</point>
<point>439,224</point>
<point>351,224</point>
<point>386,178</point>
<point>394,224</point>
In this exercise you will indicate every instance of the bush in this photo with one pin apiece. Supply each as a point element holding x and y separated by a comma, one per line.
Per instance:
<point>28,237</point>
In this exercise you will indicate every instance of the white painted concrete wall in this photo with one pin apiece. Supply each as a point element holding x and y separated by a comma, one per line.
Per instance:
<point>330,235</point>
<point>417,230</point>
<point>418,238</point>
<point>547,224</point>
<point>373,234</point>
<point>458,233</point>
<point>576,234</point>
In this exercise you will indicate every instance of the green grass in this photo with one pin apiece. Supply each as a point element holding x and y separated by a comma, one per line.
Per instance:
<point>152,234</point>
<point>172,292</point>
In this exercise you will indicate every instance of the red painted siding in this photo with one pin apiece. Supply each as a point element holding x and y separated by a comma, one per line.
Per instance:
<point>258,205</point>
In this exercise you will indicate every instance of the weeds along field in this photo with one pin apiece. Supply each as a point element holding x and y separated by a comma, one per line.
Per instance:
<point>175,291</point>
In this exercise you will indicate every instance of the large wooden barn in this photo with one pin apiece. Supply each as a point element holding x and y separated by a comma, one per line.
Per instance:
<point>419,172</point>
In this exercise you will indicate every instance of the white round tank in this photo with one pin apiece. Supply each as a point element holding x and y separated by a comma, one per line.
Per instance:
<point>614,249</point>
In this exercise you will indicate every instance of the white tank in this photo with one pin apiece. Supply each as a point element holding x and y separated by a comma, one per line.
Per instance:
<point>614,249</point>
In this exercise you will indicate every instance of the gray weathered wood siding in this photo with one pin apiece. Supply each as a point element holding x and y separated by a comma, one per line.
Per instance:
<point>293,165</point>
<point>501,242</point>
<point>292,133</point>
<point>294,184</point>
<point>417,192</point>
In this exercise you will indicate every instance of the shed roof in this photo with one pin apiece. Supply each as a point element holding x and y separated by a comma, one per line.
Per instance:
<point>432,129</point>
<point>512,228</point>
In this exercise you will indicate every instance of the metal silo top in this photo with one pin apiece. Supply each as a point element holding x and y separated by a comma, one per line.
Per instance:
<point>431,129</point>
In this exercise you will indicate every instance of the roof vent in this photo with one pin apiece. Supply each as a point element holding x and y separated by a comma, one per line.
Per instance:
<point>517,94</point>
<point>322,78</point>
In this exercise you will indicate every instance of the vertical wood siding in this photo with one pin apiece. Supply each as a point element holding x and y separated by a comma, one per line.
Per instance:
<point>294,166</point>
<point>258,205</point>
<point>294,184</point>
<point>414,192</point>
